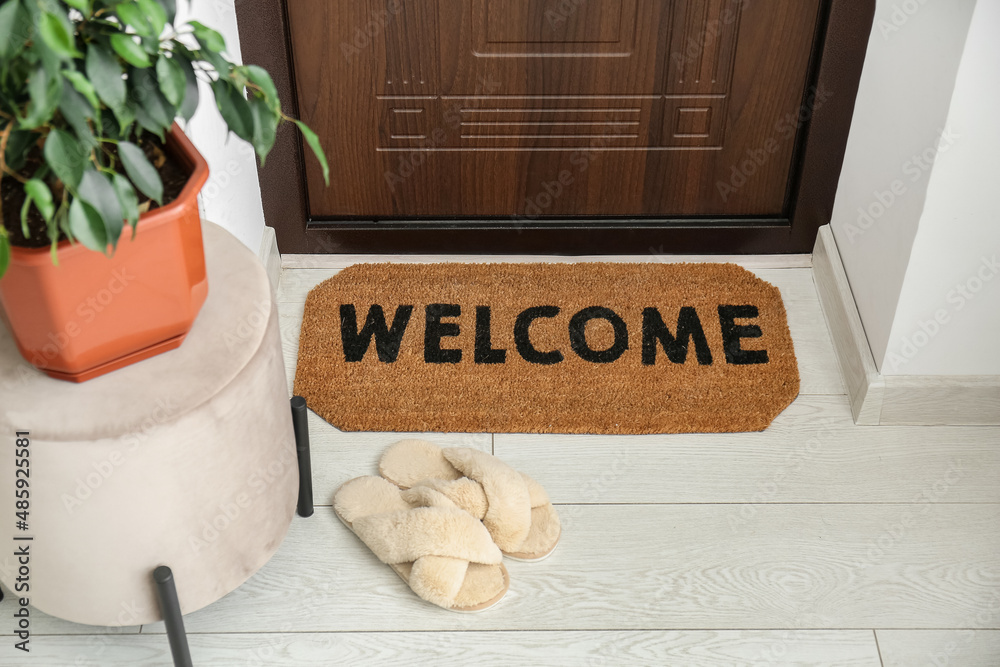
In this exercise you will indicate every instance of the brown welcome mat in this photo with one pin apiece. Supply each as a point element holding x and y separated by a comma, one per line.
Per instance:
<point>546,348</point>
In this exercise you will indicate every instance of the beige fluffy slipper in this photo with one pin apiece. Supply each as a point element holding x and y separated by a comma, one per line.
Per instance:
<point>513,507</point>
<point>445,555</point>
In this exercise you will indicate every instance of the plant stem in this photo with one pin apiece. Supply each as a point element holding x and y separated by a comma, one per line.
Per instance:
<point>4,136</point>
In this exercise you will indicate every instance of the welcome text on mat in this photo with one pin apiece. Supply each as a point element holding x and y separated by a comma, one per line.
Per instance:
<point>656,335</point>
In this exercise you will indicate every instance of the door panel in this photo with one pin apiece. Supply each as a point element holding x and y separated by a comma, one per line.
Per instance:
<point>541,108</point>
<point>538,22</point>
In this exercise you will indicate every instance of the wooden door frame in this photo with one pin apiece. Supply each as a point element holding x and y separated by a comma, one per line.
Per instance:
<point>842,38</point>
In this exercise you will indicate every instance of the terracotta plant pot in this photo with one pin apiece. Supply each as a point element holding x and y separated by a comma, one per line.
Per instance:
<point>93,314</point>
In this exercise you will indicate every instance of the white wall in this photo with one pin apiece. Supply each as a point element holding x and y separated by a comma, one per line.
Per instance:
<point>903,103</point>
<point>948,318</point>
<point>231,197</point>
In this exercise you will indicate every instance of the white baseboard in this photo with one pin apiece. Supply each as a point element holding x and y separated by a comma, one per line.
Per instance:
<point>270,257</point>
<point>878,399</point>
<point>861,377</point>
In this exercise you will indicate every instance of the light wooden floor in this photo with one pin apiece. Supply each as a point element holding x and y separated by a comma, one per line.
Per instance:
<point>816,542</point>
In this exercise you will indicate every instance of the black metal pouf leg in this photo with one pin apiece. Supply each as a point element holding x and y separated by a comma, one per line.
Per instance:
<point>300,422</point>
<point>170,609</point>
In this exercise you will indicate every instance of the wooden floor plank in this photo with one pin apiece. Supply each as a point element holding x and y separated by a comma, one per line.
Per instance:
<point>338,456</point>
<point>43,624</point>
<point>971,647</point>
<point>812,453</point>
<point>795,284</point>
<point>646,567</point>
<point>306,261</point>
<point>706,648</point>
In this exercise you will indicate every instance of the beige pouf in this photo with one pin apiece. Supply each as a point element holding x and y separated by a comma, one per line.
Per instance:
<point>186,459</point>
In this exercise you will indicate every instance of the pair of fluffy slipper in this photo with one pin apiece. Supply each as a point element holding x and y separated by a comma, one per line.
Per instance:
<point>444,518</point>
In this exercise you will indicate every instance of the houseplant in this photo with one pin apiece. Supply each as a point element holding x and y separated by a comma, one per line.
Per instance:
<point>101,260</point>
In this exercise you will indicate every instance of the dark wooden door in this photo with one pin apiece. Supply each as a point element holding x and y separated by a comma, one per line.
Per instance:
<point>553,108</point>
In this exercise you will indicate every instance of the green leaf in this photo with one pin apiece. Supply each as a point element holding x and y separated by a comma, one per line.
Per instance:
<point>191,91</point>
<point>265,127</point>
<point>15,27</point>
<point>142,173</point>
<point>173,83</point>
<point>88,226</point>
<point>154,112</point>
<point>76,110</point>
<point>96,189</point>
<point>208,38</point>
<point>234,108</point>
<point>147,123</point>
<point>260,78</point>
<point>49,59</point>
<point>217,62</point>
<point>317,149</point>
<point>155,14</point>
<point>4,253</point>
<point>105,73</point>
<point>57,37</point>
<point>17,148</point>
<point>127,198</point>
<point>65,156</point>
<point>132,15</point>
<point>45,92</point>
<point>126,116</point>
<point>39,193</point>
<point>83,86</point>
<point>129,50</point>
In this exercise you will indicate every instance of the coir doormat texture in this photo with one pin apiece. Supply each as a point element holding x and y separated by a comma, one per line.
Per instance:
<point>546,348</point>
